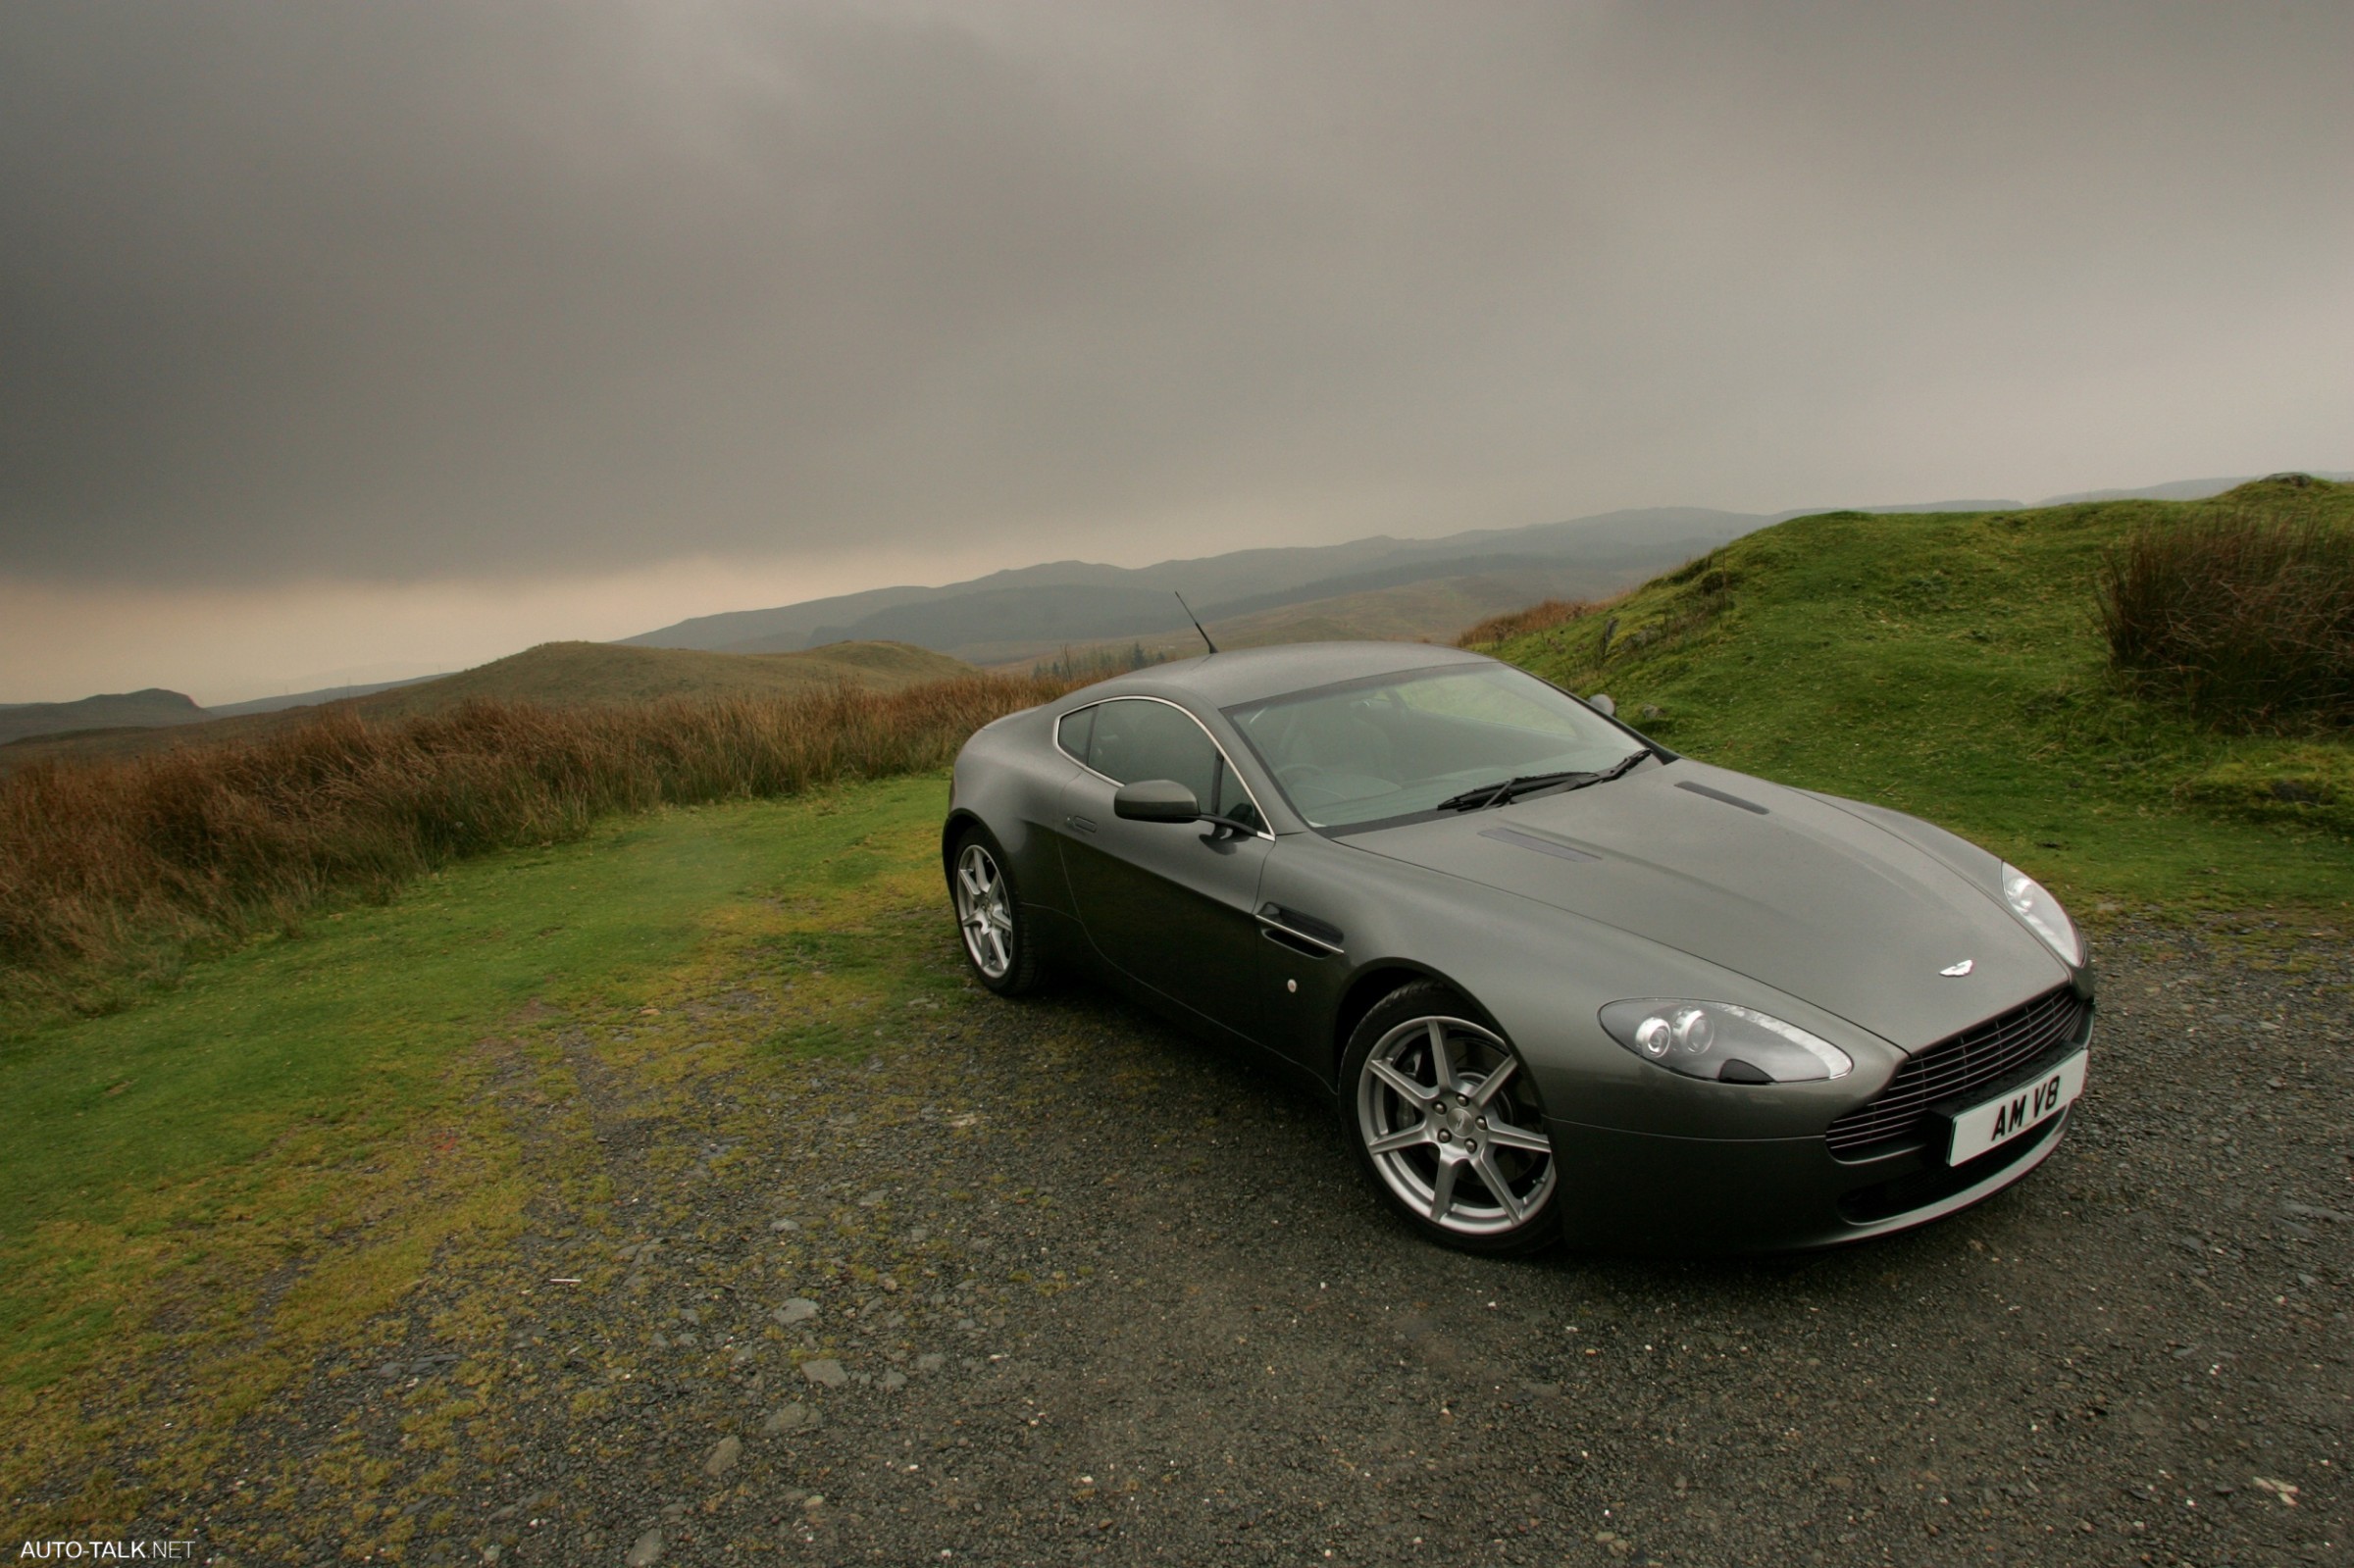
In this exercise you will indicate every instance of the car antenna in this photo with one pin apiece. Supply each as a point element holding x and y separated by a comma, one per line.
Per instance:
<point>1197,619</point>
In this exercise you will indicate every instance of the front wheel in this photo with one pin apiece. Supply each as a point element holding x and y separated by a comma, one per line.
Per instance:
<point>988,916</point>
<point>1446,1120</point>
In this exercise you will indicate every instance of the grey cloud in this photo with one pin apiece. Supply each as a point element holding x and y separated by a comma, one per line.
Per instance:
<point>447,289</point>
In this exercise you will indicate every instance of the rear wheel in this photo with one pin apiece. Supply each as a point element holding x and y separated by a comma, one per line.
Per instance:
<point>988,916</point>
<point>1446,1120</point>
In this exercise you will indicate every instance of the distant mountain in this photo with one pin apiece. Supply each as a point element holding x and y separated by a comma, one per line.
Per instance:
<point>146,709</point>
<point>310,700</point>
<point>1371,588</point>
<point>1347,589</point>
<point>2179,490</point>
<point>1033,610</point>
<point>1432,610</point>
<point>1909,507</point>
<point>555,674</point>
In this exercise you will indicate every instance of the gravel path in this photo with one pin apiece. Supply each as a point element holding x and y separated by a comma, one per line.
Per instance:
<point>1046,1283</point>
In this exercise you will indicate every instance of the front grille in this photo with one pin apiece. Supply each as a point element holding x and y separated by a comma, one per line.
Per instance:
<point>1986,1054</point>
<point>1917,1190</point>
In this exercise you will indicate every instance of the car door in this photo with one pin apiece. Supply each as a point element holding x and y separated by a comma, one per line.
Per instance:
<point>1170,905</point>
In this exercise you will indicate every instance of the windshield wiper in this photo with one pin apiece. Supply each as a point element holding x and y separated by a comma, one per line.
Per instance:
<point>1496,794</point>
<point>1615,770</point>
<point>1509,789</point>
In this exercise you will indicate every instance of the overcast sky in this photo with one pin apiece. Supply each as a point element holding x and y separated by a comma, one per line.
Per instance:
<point>341,340</point>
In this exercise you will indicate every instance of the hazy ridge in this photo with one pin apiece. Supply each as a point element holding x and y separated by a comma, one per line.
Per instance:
<point>1037,608</point>
<point>553,673</point>
<point>148,709</point>
<point>1028,612</point>
<point>1380,586</point>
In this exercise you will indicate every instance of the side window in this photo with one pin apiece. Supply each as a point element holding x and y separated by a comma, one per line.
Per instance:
<point>1072,731</point>
<point>1234,801</point>
<point>1135,740</point>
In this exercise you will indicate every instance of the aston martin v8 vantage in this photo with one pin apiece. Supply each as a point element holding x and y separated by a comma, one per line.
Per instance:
<point>1560,982</point>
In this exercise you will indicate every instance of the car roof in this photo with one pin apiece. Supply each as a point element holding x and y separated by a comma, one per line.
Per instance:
<point>1252,674</point>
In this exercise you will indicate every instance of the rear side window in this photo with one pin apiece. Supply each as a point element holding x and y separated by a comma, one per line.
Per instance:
<point>1072,731</point>
<point>1133,739</point>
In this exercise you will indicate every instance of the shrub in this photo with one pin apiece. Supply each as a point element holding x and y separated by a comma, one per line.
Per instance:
<point>2246,620</point>
<point>1095,664</point>
<point>113,871</point>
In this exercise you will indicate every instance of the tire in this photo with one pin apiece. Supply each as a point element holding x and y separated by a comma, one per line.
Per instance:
<point>996,937</point>
<point>1433,1144</point>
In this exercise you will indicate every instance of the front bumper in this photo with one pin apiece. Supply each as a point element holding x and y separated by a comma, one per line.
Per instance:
<point>1644,1192</point>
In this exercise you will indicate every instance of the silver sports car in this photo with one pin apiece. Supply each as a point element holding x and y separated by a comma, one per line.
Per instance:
<point>1560,982</point>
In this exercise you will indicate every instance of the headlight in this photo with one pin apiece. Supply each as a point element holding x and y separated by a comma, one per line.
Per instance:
<point>1718,1041</point>
<point>2032,902</point>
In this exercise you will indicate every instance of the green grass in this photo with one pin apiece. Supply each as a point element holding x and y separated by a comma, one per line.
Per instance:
<point>1952,666</point>
<point>303,1123</point>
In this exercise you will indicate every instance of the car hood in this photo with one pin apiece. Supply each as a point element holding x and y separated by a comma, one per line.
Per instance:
<point>1787,889</point>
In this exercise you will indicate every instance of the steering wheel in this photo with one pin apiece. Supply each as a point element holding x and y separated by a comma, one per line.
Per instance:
<point>1299,773</point>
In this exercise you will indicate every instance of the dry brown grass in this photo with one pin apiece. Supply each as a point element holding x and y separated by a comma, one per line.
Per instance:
<point>2246,619</point>
<point>111,872</point>
<point>1540,617</point>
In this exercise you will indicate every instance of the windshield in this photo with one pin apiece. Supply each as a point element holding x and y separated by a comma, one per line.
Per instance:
<point>1371,751</point>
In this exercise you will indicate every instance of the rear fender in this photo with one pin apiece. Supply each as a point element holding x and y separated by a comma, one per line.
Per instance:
<point>1009,780</point>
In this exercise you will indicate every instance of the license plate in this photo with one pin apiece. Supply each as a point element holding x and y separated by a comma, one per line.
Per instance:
<point>1991,1123</point>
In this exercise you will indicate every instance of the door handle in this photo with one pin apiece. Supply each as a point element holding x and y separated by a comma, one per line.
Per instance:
<point>1079,823</point>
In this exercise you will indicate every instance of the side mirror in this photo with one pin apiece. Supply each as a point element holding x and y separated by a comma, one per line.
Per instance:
<point>1155,800</point>
<point>1601,703</point>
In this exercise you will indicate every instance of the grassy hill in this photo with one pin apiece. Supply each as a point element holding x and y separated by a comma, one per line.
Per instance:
<point>1952,666</point>
<point>571,674</point>
<point>1426,611</point>
<point>558,675</point>
<point>121,710</point>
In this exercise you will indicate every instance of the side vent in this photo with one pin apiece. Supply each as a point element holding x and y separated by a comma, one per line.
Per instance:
<point>1298,945</point>
<point>1301,932</point>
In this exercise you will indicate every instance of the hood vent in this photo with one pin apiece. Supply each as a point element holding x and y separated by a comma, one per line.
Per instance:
<point>1529,840</point>
<point>1718,794</point>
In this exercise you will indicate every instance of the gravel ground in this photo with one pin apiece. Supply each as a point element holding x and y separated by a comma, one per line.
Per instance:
<point>1047,1282</point>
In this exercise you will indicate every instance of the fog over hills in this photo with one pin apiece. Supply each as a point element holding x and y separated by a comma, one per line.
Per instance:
<point>2179,490</point>
<point>1035,608</point>
<point>352,343</point>
<point>1011,615</point>
<point>1371,588</point>
<point>311,700</point>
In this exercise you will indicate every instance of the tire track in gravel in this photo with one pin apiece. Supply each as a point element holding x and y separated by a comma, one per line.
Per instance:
<point>1048,1283</point>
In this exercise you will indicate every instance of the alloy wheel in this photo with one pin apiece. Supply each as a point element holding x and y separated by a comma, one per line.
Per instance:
<point>983,912</point>
<point>1443,1107</point>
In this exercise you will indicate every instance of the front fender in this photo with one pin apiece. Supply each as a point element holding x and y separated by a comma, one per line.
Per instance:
<point>1542,975</point>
